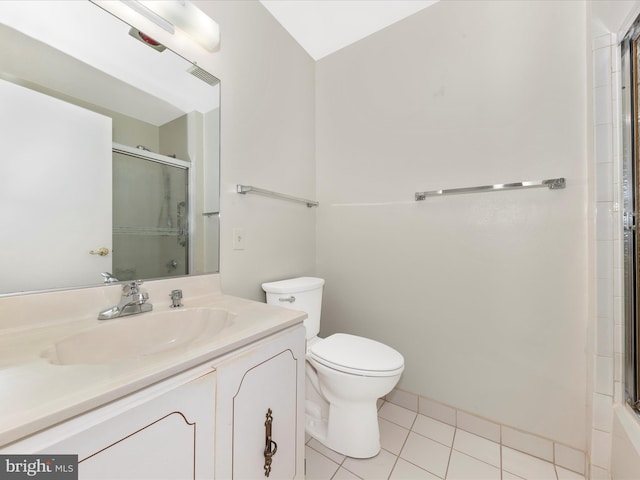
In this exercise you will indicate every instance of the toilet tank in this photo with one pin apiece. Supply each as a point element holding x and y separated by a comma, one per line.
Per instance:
<point>302,293</point>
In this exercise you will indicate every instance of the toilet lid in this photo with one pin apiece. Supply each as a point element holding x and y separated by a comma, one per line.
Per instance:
<point>350,353</point>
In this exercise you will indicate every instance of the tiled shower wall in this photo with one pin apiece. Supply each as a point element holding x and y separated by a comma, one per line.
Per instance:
<point>608,353</point>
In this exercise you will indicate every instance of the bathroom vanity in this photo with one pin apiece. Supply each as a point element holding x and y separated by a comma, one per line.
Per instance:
<point>223,402</point>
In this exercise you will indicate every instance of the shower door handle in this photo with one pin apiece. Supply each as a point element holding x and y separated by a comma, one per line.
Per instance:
<point>183,230</point>
<point>629,221</point>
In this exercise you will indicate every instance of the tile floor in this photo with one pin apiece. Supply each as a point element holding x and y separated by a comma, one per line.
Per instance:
<point>416,447</point>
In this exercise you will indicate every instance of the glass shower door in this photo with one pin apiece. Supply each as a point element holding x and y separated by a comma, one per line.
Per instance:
<point>150,228</point>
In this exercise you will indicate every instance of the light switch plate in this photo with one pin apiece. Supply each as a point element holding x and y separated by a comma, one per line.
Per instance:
<point>238,239</point>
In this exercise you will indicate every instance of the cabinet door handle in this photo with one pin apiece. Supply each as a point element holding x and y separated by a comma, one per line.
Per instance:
<point>270,447</point>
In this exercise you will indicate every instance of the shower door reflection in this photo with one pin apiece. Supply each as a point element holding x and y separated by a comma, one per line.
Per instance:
<point>150,216</point>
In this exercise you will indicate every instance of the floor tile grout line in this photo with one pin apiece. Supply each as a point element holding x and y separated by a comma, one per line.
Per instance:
<point>410,462</point>
<point>446,472</point>
<point>417,466</point>
<point>433,439</point>
<point>431,418</point>
<point>357,476</point>
<point>467,454</point>
<point>347,469</point>
<point>530,455</point>
<point>513,474</point>
<point>402,447</point>
<point>396,423</point>
<point>326,456</point>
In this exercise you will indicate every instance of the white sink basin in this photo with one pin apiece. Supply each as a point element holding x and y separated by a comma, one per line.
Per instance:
<point>139,335</point>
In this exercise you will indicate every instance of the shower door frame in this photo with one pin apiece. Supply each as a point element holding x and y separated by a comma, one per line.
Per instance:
<point>145,154</point>
<point>630,49</point>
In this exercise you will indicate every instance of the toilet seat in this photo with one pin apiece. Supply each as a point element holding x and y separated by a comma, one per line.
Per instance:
<point>356,355</point>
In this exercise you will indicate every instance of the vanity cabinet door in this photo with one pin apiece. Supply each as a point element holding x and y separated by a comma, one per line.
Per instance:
<point>265,396</point>
<point>162,449</point>
<point>168,437</point>
<point>264,418</point>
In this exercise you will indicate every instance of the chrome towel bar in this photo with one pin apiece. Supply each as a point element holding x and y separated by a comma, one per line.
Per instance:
<point>244,189</point>
<point>552,184</point>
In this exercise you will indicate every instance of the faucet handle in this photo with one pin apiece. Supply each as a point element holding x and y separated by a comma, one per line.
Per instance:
<point>109,278</point>
<point>176,298</point>
<point>131,288</point>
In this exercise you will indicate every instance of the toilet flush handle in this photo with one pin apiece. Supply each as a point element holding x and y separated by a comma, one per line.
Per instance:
<point>289,299</point>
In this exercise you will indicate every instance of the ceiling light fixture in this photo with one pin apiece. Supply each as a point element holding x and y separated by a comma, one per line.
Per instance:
<point>181,14</point>
<point>150,15</point>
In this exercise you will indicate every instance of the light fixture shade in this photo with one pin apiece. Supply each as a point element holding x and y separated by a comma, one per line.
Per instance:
<point>154,17</point>
<point>188,18</point>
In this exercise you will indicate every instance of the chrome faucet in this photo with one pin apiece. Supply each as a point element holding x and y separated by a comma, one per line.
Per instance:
<point>132,302</point>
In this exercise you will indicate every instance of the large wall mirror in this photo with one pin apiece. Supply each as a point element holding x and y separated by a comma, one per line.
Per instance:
<point>110,152</point>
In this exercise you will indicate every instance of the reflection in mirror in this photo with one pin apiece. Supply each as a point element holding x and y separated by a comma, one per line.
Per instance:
<point>110,152</point>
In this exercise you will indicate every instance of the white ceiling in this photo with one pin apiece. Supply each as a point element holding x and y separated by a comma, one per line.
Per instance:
<point>323,26</point>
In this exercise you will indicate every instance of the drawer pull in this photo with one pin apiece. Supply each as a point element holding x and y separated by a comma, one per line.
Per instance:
<point>270,447</point>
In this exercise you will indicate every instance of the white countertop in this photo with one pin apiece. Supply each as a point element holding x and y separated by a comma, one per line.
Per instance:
<point>35,394</point>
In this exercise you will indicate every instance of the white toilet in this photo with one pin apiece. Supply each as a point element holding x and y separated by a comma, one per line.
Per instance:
<point>346,374</point>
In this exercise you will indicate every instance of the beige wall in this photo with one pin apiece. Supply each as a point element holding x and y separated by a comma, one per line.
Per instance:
<point>174,137</point>
<point>485,294</point>
<point>268,141</point>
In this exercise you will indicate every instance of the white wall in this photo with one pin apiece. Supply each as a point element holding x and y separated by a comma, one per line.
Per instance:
<point>484,294</point>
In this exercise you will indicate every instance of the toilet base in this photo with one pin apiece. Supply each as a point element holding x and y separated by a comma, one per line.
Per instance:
<point>351,430</point>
